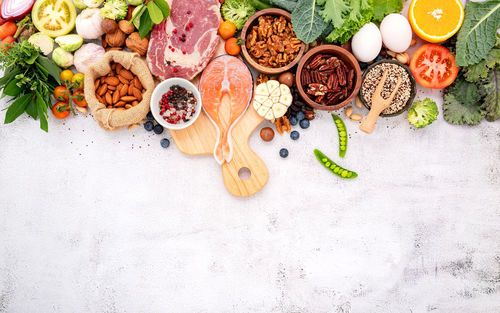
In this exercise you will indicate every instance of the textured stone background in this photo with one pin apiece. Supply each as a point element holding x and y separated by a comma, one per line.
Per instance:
<point>111,222</point>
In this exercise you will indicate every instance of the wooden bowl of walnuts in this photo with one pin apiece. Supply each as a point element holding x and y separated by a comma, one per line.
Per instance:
<point>272,26</point>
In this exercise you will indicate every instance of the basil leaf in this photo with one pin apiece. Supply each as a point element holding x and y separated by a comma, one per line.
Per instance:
<point>164,7</point>
<point>50,67</point>
<point>146,25</point>
<point>138,12</point>
<point>17,108</point>
<point>41,106</point>
<point>12,89</point>
<point>32,110</point>
<point>32,58</point>
<point>155,13</point>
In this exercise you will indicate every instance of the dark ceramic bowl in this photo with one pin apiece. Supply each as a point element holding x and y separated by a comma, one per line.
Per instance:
<point>343,55</point>
<point>413,91</point>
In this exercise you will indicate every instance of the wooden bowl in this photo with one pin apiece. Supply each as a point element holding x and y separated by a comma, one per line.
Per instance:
<point>248,26</point>
<point>343,55</point>
<point>413,91</point>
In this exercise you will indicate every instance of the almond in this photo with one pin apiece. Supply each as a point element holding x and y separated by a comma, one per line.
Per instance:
<point>108,98</point>
<point>102,90</point>
<point>101,100</point>
<point>97,83</point>
<point>126,74</point>
<point>128,98</point>
<point>123,90</point>
<point>348,111</point>
<point>137,83</point>
<point>113,81</point>
<point>120,104</point>
<point>137,93</point>
<point>116,97</point>
<point>134,103</point>
<point>130,90</point>
<point>118,67</point>
<point>123,80</point>
<point>128,106</point>
<point>356,117</point>
<point>111,87</point>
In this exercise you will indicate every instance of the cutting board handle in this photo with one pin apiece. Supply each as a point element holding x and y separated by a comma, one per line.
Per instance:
<point>244,157</point>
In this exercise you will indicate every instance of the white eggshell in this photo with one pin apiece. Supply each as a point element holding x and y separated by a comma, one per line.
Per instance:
<point>366,43</point>
<point>396,32</point>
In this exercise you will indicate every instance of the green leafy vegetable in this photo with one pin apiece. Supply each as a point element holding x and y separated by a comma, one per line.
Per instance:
<point>491,92</point>
<point>155,13</point>
<point>30,79</point>
<point>333,11</point>
<point>158,10</point>
<point>423,113</point>
<point>359,13</point>
<point>164,7</point>
<point>481,70</point>
<point>307,23</point>
<point>260,4</point>
<point>146,25</point>
<point>461,103</point>
<point>288,5</point>
<point>478,33</point>
<point>382,8</point>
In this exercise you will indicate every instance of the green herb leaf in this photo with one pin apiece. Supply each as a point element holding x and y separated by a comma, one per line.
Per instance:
<point>288,5</point>
<point>32,58</point>
<point>478,33</point>
<point>155,13</point>
<point>481,70</point>
<point>12,89</point>
<point>32,110</point>
<point>138,12</point>
<point>146,25</point>
<point>9,74</point>
<point>17,108</point>
<point>462,103</point>
<point>382,8</point>
<point>164,7</point>
<point>51,68</point>
<point>41,105</point>
<point>491,91</point>
<point>306,22</point>
<point>333,11</point>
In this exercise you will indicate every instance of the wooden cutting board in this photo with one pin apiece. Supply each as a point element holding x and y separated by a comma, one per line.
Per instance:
<point>200,138</point>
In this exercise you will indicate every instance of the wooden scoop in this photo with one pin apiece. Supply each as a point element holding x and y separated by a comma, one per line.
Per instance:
<point>378,105</point>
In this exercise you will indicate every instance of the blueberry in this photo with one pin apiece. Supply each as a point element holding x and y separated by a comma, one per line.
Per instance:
<point>165,143</point>
<point>158,129</point>
<point>379,58</point>
<point>150,117</point>
<point>304,123</point>
<point>363,65</point>
<point>295,135</point>
<point>283,153</point>
<point>149,126</point>
<point>300,116</point>
<point>293,120</point>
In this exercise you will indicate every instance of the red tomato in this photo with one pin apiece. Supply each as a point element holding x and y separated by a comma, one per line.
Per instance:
<point>233,46</point>
<point>434,66</point>
<point>79,95</point>
<point>7,29</point>
<point>61,93</point>
<point>7,40</point>
<point>60,110</point>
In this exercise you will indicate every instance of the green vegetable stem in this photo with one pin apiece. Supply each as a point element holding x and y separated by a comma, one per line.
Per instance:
<point>333,167</point>
<point>260,4</point>
<point>342,131</point>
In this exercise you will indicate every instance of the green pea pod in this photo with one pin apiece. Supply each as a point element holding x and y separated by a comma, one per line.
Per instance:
<point>333,167</point>
<point>342,131</point>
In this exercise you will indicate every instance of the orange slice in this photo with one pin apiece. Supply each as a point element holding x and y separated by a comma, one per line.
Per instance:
<point>436,21</point>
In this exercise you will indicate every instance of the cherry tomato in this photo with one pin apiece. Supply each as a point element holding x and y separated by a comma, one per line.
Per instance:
<point>227,29</point>
<point>61,93</point>
<point>79,99</point>
<point>60,110</point>
<point>7,29</point>
<point>434,66</point>
<point>66,75</point>
<point>77,80</point>
<point>7,40</point>
<point>233,46</point>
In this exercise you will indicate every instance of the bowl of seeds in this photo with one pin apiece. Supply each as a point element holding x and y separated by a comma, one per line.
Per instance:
<point>175,103</point>
<point>405,95</point>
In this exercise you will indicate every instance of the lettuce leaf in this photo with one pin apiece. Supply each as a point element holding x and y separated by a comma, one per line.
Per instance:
<point>478,33</point>
<point>333,11</point>
<point>359,13</point>
<point>382,8</point>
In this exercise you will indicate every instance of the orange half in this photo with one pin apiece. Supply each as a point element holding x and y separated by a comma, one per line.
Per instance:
<point>436,21</point>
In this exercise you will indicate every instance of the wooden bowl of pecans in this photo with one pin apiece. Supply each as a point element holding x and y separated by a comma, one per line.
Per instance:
<point>270,44</point>
<point>328,77</point>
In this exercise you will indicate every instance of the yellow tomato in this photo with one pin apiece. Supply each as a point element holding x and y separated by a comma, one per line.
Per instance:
<point>78,80</point>
<point>66,75</point>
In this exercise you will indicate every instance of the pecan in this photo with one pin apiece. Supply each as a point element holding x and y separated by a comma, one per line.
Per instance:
<point>341,76</point>
<point>317,61</point>
<point>317,89</point>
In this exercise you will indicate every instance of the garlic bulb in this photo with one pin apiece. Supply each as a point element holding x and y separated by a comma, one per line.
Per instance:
<point>87,55</point>
<point>88,24</point>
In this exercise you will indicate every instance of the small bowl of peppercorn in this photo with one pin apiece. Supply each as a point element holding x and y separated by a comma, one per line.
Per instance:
<point>175,103</point>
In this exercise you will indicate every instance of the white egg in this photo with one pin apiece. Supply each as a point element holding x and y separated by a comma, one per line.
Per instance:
<point>396,32</point>
<point>366,43</point>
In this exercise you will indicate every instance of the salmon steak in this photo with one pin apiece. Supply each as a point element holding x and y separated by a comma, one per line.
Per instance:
<point>225,76</point>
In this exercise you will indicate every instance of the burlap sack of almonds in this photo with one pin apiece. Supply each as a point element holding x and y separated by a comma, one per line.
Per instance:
<point>115,118</point>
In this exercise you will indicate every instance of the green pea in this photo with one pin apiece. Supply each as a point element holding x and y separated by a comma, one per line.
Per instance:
<point>334,168</point>
<point>342,132</point>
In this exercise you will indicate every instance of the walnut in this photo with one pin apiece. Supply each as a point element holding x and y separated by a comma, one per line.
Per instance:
<point>282,125</point>
<point>262,78</point>
<point>136,44</point>
<point>109,26</point>
<point>126,27</point>
<point>116,39</point>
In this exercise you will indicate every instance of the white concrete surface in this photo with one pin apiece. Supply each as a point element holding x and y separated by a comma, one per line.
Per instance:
<point>111,222</point>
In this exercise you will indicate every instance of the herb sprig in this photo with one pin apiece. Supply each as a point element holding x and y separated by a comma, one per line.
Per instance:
<point>157,11</point>
<point>29,78</point>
